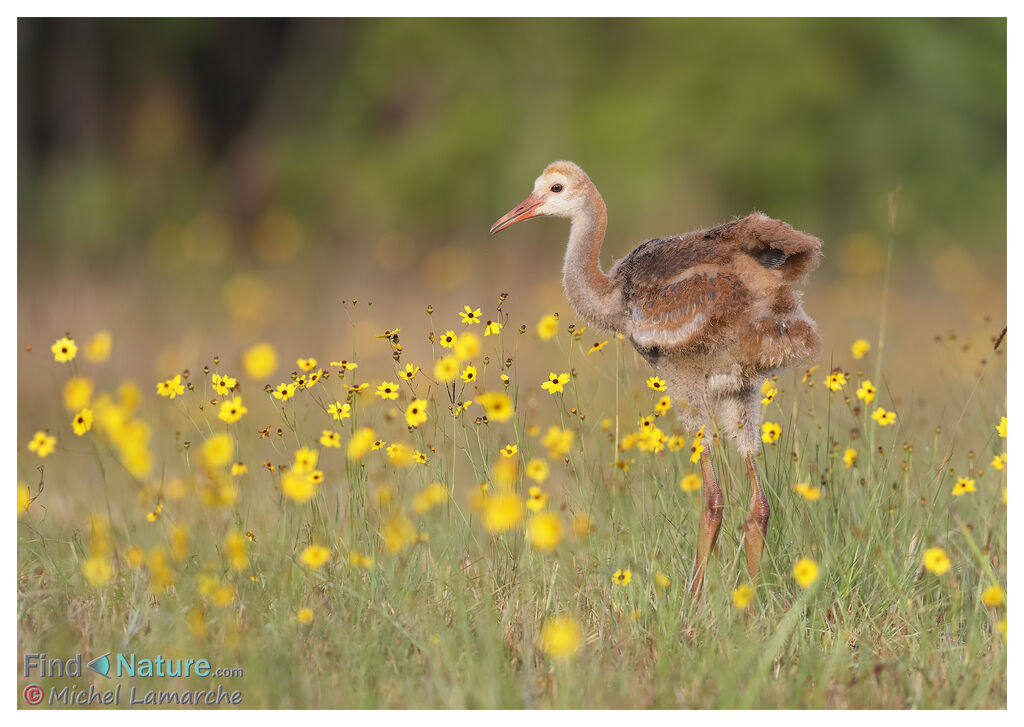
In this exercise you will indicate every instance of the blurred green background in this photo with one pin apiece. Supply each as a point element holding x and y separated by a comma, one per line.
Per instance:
<point>196,185</point>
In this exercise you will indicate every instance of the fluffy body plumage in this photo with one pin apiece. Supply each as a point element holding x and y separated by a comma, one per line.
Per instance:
<point>714,312</point>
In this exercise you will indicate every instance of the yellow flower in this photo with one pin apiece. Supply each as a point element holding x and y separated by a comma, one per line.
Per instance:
<point>999,461</point>
<point>497,406</point>
<point>469,316</point>
<point>597,347</point>
<point>835,381</point>
<point>544,531</point>
<point>77,393</point>
<point>223,384</point>
<point>329,438</point>
<point>238,469</point>
<point>768,392</point>
<point>502,511</point>
<point>555,383</point>
<point>217,451</point>
<point>558,441</point>
<point>493,328</point>
<point>171,388</point>
<point>622,577</point>
<point>1001,428</point>
<point>24,498</point>
<point>409,372</point>
<point>97,570</point>
<point>936,560</point>
<point>305,460</point>
<point>236,550</point>
<point>360,443</point>
<point>537,470</point>
<point>161,577</point>
<point>42,444</point>
<point>860,348</point>
<point>232,411</point>
<point>360,560</point>
<point>97,348</point>
<point>179,542</point>
<point>347,365</point>
<point>339,411</point>
<point>538,500</point>
<point>806,379</point>
<point>433,494</point>
<point>400,455</point>
<point>446,369</point>
<point>849,457</point>
<point>547,327</point>
<point>661,580</point>
<point>64,350</point>
<point>398,532</point>
<point>675,443</point>
<point>509,450</point>
<point>448,339</point>
<point>315,556</point>
<point>420,457</point>
<point>284,392</point>
<point>304,615</point>
<point>866,391</point>
<point>805,572</point>
<point>1001,627</point>
<point>655,383</point>
<point>883,417</point>
<point>561,637</point>
<point>298,487</point>
<point>306,364</point>
<point>467,347</point>
<point>742,596</point>
<point>260,361</point>
<point>416,412</point>
<point>469,374</point>
<point>82,422</point>
<point>809,493</point>
<point>663,405</point>
<point>129,395</point>
<point>581,525</point>
<point>993,596</point>
<point>135,556</point>
<point>690,483</point>
<point>963,486</point>
<point>770,432</point>
<point>387,390</point>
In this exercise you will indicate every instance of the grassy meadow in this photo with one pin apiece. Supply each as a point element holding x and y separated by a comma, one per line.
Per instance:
<point>363,537</point>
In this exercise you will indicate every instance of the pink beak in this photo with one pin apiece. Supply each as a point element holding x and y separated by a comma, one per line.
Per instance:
<point>522,211</point>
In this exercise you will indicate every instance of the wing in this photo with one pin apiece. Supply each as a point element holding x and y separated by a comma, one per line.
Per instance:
<point>775,245</point>
<point>681,293</point>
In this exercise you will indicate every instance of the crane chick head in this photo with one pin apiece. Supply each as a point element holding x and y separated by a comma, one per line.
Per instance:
<point>562,190</point>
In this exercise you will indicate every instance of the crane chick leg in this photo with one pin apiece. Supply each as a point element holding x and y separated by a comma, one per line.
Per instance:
<point>710,520</point>
<point>757,520</point>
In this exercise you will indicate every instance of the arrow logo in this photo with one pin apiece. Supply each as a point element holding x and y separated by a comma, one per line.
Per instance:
<point>101,665</point>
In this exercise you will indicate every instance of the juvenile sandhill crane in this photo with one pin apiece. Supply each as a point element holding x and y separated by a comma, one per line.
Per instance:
<point>713,311</point>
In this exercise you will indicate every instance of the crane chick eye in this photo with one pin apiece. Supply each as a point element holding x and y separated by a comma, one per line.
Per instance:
<point>556,187</point>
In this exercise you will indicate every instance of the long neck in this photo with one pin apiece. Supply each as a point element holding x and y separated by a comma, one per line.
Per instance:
<point>591,292</point>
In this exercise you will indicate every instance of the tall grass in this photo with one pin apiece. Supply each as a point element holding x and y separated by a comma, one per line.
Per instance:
<point>450,613</point>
